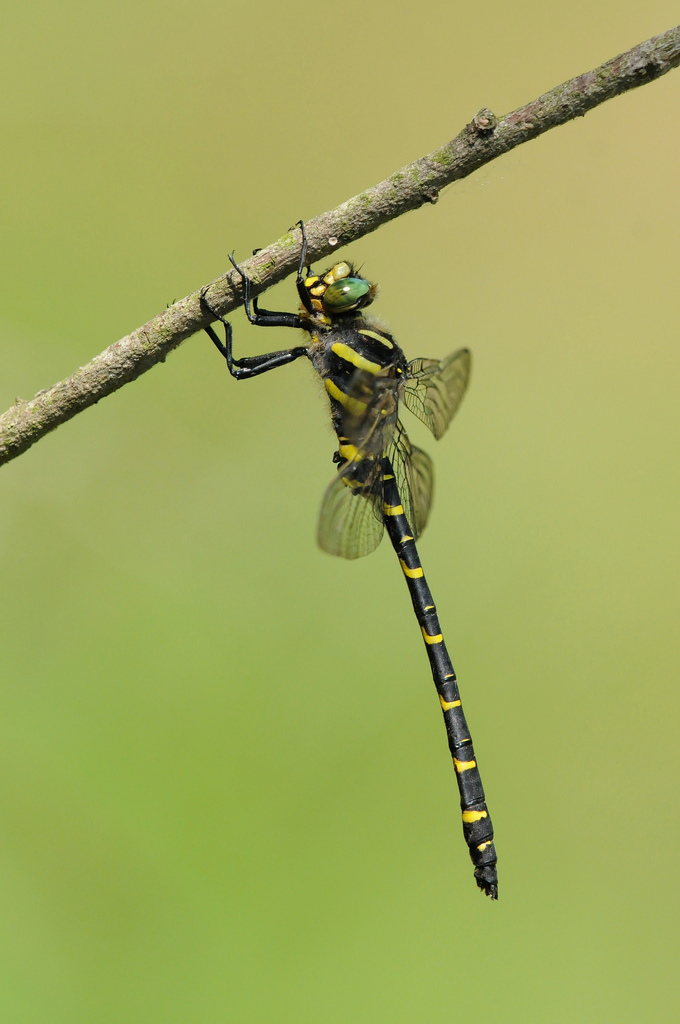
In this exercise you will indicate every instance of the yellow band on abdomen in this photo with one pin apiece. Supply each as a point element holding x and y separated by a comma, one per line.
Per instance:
<point>448,704</point>
<point>470,816</point>
<point>349,452</point>
<point>431,639</point>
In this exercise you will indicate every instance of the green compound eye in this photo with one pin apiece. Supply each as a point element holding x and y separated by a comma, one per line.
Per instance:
<point>346,294</point>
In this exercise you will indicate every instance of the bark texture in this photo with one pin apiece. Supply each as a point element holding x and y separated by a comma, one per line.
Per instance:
<point>484,139</point>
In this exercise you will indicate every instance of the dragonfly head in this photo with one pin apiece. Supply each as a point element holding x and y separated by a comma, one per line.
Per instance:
<point>339,291</point>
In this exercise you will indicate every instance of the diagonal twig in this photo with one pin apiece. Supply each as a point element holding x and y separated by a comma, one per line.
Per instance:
<point>481,141</point>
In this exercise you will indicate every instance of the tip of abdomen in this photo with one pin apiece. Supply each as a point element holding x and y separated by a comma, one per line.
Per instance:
<point>487,880</point>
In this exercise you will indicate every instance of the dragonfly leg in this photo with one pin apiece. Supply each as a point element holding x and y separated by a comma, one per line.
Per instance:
<point>305,298</point>
<point>248,366</point>
<point>256,315</point>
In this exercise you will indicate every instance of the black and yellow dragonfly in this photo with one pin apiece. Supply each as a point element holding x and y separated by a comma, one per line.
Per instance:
<point>383,481</point>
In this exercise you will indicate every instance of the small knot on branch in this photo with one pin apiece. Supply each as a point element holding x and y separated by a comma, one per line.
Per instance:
<point>484,121</point>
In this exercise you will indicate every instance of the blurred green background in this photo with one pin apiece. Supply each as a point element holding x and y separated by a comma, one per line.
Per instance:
<point>225,791</point>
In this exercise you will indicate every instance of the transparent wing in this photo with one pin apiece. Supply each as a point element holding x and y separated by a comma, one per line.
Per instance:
<point>434,389</point>
<point>371,413</point>
<point>414,476</point>
<point>422,485</point>
<point>351,522</point>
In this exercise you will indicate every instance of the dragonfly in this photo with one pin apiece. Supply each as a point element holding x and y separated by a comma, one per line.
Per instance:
<point>383,482</point>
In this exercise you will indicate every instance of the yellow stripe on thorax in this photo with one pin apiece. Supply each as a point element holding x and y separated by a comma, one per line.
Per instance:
<point>413,574</point>
<point>352,405</point>
<point>350,356</point>
<point>377,337</point>
<point>470,816</point>
<point>431,639</point>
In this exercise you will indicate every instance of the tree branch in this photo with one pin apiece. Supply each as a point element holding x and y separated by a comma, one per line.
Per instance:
<point>481,141</point>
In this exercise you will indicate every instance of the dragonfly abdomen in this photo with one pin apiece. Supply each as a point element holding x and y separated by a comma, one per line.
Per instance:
<point>477,827</point>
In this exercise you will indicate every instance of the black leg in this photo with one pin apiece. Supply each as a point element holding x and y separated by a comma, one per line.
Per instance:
<point>249,366</point>
<point>305,297</point>
<point>263,317</point>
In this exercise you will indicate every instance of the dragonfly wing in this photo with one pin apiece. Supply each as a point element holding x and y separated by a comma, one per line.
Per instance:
<point>370,414</point>
<point>435,387</point>
<point>414,476</point>
<point>351,521</point>
<point>422,485</point>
